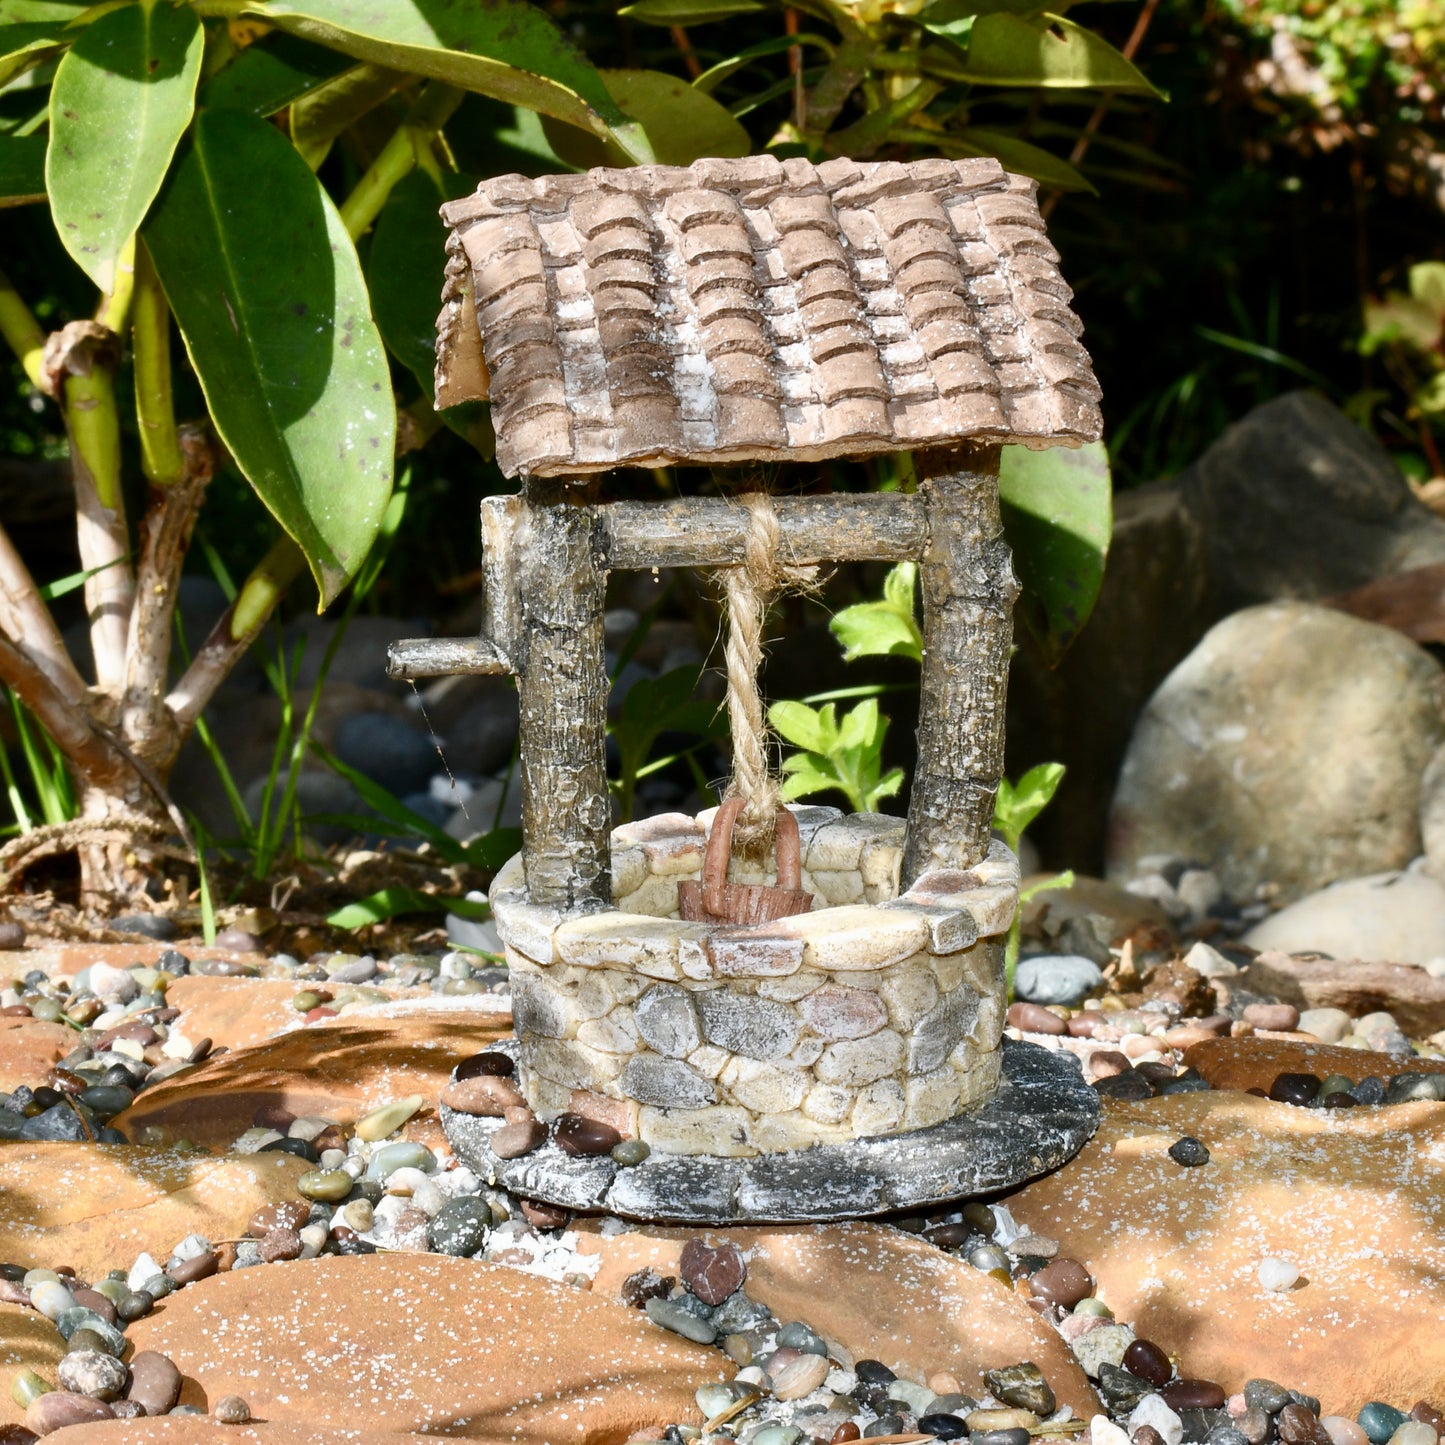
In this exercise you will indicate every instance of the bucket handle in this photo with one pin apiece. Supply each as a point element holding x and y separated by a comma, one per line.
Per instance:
<point>719,850</point>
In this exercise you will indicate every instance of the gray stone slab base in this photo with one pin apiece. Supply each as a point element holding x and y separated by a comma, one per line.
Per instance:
<point>1041,1116</point>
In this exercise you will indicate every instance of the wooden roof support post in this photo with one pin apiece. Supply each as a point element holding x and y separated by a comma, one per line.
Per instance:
<point>562,687</point>
<point>969,591</point>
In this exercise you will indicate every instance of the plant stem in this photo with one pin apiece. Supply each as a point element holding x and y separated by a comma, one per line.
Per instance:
<point>864,137</point>
<point>433,108</point>
<point>150,345</point>
<point>845,72</point>
<point>21,330</point>
<point>26,619</point>
<point>113,309</point>
<point>58,715</point>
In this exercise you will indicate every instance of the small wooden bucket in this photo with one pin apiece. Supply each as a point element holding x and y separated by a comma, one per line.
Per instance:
<point>715,900</point>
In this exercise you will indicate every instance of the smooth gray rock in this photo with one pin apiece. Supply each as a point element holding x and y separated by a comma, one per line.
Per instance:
<point>473,933</point>
<point>388,750</point>
<point>477,718</point>
<point>667,1021</point>
<point>1053,978</point>
<point>1287,749</point>
<point>317,793</point>
<point>1042,1115</point>
<point>744,1024</point>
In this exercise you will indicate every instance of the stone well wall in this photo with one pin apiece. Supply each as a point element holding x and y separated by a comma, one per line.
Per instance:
<point>873,1014</point>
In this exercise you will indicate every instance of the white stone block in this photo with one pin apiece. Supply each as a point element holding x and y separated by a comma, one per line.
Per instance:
<point>828,1103</point>
<point>764,1088</point>
<point>856,1062</point>
<point>720,1129</point>
<point>910,993</point>
<point>615,1034</point>
<point>879,1109</point>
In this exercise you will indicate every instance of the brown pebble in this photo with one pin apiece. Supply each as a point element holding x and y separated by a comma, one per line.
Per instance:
<point>949,1236</point>
<point>13,1294</point>
<point>1034,1018</point>
<point>1297,1424</point>
<point>231,1410</point>
<point>489,1062</point>
<point>48,1413</point>
<point>286,1214</point>
<point>12,936</point>
<point>1082,1025</point>
<point>1146,1360</point>
<point>1273,1017</point>
<point>519,1115</point>
<point>487,1095</point>
<point>1193,1395</point>
<point>511,1141</point>
<point>155,1382</point>
<point>1427,1414</point>
<point>95,1302</point>
<point>578,1135</point>
<point>1147,1435</point>
<point>645,1284</point>
<point>1107,1063</point>
<point>225,1257</point>
<point>845,1432</point>
<point>279,1244</point>
<point>544,1216</point>
<point>238,940</point>
<point>15,1011</point>
<point>273,1116</point>
<point>1062,1282</point>
<point>712,1274</point>
<point>64,1082</point>
<point>188,1271</point>
<point>201,1050</point>
<point>331,1137</point>
<point>1254,1425</point>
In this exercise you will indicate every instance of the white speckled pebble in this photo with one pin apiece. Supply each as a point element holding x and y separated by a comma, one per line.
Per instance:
<point>1152,1410</point>
<point>1278,1275</point>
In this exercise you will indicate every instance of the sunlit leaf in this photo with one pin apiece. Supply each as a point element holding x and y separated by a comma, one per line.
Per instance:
<point>323,113</point>
<point>1058,517</point>
<point>22,169</point>
<point>714,75</point>
<point>507,49</point>
<point>682,123</point>
<point>269,296</point>
<point>396,902</point>
<point>270,74</point>
<point>1019,156</point>
<point>22,43</point>
<point>1016,805</point>
<point>1005,49</point>
<point>688,12</point>
<point>122,99</point>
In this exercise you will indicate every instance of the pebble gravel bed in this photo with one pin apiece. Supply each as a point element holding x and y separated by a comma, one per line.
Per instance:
<point>780,1382</point>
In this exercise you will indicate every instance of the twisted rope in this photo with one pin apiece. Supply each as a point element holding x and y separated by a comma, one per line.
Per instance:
<point>749,588</point>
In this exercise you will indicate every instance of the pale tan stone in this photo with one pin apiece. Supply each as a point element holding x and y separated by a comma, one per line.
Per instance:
<point>656,897</point>
<point>909,993</point>
<point>623,941</point>
<point>764,1088</point>
<point>693,960</point>
<point>835,847</point>
<point>709,1060</point>
<point>527,928</point>
<point>753,953</point>
<point>931,1098</point>
<point>828,1103</point>
<point>987,1028</point>
<point>839,1012</point>
<point>431,1344</point>
<point>879,865</point>
<point>791,988</point>
<point>721,1129</point>
<point>547,1097</point>
<point>856,937</point>
<point>806,1052</point>
<point>615,1034</point>
<point>659,829</point>
<point>629,872</point>
<point>978,1075</point>
<point>879,1108</point>
<point>775,1133</point>
<point>838,886</point>
<point>855,1062</point>
<point>993,909</point>
<point>595,996</point>
<point>674,858</point>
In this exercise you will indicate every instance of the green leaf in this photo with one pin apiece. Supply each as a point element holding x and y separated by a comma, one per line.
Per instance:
<point>42,12</point>
<point>1058,517</point>
<point>886,628</point>
<point>688,12</point>
<point>813,729</point>
<point>506,49</point>
<point>23,43</point>
<point>1018,804</point>
<point>123,97</point>
<point>682,123</point>
<point>22,169</point>
<point>394,902</point>
<point>1005,49</point>
<point>268,293</point>
<point>714,75</point>
<point>270,74</point>
<point>323,113</point>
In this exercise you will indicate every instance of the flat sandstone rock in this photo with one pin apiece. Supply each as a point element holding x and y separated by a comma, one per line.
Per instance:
<point>1355,1199</point>
<point>430,1344</point>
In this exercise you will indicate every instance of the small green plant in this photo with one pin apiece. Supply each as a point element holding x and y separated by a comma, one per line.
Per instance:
<point>1407,331</point>
<point>887,627</point>
<point>1015,807</point>
<point>845,754</point>
<point>653,706</point>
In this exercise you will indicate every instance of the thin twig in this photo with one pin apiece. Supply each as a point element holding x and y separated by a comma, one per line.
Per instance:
<point>681,39</point>
<point>63,717</point>
<point>24,616</point>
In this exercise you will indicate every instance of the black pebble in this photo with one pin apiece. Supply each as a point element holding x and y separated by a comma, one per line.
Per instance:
<point>1016,1436</point>
<point>1296,1089</point>
<point>301,1148</point>
<point>1188,1152</point>
<point>874,1372</point>
<point>1191,1081</point>
<point>888,1425</point>
<point>943,1427</point>
<point>1131,1084</point>
<point>1370,1090</point>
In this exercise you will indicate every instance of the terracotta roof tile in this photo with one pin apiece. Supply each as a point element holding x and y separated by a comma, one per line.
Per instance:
<point>741,309</point>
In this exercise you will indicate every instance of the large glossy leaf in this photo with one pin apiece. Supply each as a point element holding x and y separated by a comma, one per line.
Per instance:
<point>41,12</point>
<point>22,169</point>
<point>1006,49</point>
<point>319,117</point>
<point>23,43</point>
<point>1058,517</point>
<point>268,293</point>
<point>1017,155</point>
<point>687,12</point>
<point>271,73</point>
<point>681,122</point>
<point>507,49</point>
<point>122,98</point>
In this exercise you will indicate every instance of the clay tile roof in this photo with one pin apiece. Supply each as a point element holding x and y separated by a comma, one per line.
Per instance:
<point>755,309</point>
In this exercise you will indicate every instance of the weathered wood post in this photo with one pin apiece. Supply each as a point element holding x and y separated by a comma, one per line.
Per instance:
<point>846,1058</point>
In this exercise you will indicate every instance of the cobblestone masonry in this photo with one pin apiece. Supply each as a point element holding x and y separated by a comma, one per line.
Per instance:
<point>874,1014</point>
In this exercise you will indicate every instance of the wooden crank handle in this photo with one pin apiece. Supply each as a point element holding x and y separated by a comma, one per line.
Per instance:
<point>715,859</point>
<point>790,850</point>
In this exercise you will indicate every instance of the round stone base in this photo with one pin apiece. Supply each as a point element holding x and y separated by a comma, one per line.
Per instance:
<point>1042,1115</point>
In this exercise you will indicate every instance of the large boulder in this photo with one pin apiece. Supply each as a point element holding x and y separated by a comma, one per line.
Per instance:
<point>1286,750</point>
<point>1294,501</point>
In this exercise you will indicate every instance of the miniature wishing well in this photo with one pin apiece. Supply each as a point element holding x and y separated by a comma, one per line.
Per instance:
<point>799,1012</point>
